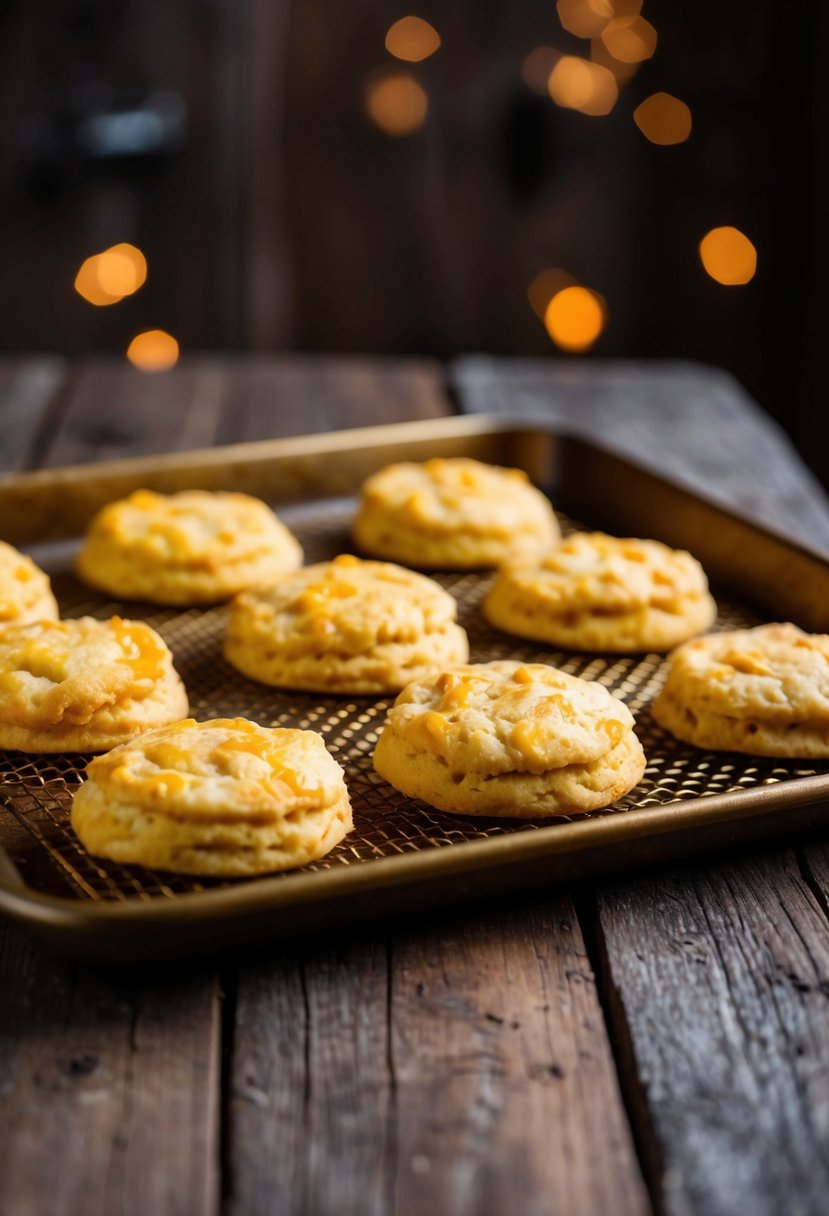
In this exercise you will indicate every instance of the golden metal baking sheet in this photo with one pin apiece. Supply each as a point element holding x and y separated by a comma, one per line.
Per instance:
<point>92,907</point>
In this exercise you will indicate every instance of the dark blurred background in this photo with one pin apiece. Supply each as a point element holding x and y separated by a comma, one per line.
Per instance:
<point>510,176</point>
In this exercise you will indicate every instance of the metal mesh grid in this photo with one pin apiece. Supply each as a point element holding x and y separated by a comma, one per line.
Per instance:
<point>37,791</point>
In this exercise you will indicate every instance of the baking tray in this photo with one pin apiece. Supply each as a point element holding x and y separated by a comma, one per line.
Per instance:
<point>402,855</point>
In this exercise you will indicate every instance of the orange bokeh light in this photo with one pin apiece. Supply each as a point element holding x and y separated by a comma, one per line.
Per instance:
<point>728,256</point>
<point>601,55</point>
<point>122,269</point>
<point>630,39</point>
<point>153,351</point>
<point>578,84</point>
<point>574,318</point>
<point>107,277</point>
<point>663,119</point>
<point>584,18</point>
<point>396,103</point>
<point>412,39</point>
<point>88,287</point>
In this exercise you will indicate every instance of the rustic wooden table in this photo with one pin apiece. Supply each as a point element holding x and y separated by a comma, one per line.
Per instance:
<point>654,1043</point>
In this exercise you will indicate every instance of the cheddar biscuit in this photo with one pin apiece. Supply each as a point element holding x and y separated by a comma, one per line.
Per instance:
<point>510,739</point>
<point>764,691</point>
<point>345,626</point>
<point>225,798</point>
<point>25,591</point>
<point>194,547</point>
<point>84,685</point>
<point>595,592</point>
<point>452,514</point>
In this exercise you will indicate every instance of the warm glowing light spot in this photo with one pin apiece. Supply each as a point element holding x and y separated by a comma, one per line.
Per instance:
<point>153,351</point>
<point>584,18</point>
<point>544,286</point>
<point>601,55</point>
<point>663,119</point>
<point>574,318</point>
<point>578,84</point>
<point>630,39</point>
<point>728,256</point>
<point>396,103</point>
<point>536,68</point>
<point>87,285</point>
<point>121,270</point>
<point>412,39</point>
<point>105,278</point>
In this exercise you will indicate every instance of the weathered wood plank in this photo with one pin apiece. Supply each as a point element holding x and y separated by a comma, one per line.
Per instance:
<point>815,866</point>
<point>480,1081</point>
<point>689,422</point>
<point>310,1105</point>
<point>114,410</point>
<point>108,1089</point>
<point>719,985</point>
<point>29,385</point>
<point>506,1092</point>
<point>296,395</point>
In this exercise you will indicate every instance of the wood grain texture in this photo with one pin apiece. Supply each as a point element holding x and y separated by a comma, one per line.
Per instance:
<point>275,396</point>
<point>108,1089</point>
<point>691,423</point>
<point>112,410</point>
<point>815,868</point>
<point>468,1072</point>
<point>309,1115</point>
<point>718,984</point>
<point>504,1080</point>
<point>29,389</point>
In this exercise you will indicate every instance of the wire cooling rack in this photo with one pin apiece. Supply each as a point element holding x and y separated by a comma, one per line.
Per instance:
<point>37,791</point>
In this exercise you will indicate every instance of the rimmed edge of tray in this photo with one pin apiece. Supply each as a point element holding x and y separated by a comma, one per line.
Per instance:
<point>279,907</point>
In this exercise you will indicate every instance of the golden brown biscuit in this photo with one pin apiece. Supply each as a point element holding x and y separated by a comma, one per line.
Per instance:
<point>223,798</point>
<point>510,739</point>
<point>452,514</point>
<point>84,685</point>
<point>345,626</point>
<point>596,592</point>
<point>764,691</point>
<point>25,591</point>
<point>194,547</point>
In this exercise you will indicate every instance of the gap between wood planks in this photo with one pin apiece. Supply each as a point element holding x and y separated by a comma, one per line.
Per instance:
<point>228,990</point>
<point>812,862</point>
<point>618,1032</point>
